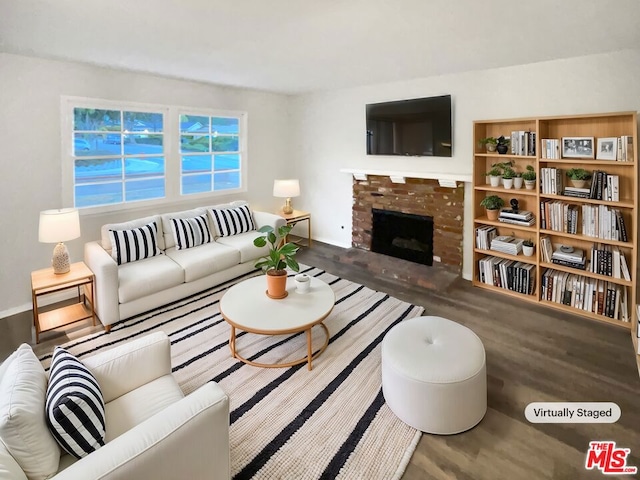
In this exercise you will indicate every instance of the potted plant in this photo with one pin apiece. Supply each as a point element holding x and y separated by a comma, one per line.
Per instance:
<point>503,145</point>
<point>517,180</point>
<point>527,247</point>
<point>578,177</point>
<point>281,255</point>
<point>489,143</point>
<point>507,176</point>
<point>529,177</point>
<point>494,176</point>
<point>492,204</point>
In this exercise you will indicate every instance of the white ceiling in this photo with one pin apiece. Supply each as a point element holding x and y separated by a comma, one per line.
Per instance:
<point>296,46</point>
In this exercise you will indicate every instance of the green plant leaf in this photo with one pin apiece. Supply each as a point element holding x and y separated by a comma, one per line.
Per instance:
<point>265,229</point>
<point>259,242</point>
<point>288,249</point>
<point>293,265</point>
<point>271,237</point>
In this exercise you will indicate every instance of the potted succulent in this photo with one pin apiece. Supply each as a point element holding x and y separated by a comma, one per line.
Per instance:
<point>578,177</point>
<point>529,177</point>
<point>508,175</point>
<point>489,143</point>
<point>527,247</point>
<point>494,176</point>
<point>492,204</point>
<point>503,145</point>
<point>281,255</point>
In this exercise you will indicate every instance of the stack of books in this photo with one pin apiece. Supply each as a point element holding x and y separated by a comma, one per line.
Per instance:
<point>507,244</point>
<point>573,258</point>
<point>577,192</point>
<point>517,217</point>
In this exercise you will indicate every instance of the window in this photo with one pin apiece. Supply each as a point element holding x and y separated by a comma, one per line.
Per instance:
<point>121,155</point>
<point>210,153</point>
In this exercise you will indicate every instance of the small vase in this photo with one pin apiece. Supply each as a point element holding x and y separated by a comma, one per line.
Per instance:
<point>529,184</point>
<point>502,149</point>
<point>517,182</point>
<point>528,251</point>
<point>276,284</point>
<point>495,181</point>
<point>491,147</point>
<point>508,183</point>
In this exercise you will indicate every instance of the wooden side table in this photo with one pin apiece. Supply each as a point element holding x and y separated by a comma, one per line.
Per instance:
<point>45,282</point>
<point>295,217</point>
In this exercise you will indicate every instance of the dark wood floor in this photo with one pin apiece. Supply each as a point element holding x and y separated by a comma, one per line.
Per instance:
<point>534,354</point>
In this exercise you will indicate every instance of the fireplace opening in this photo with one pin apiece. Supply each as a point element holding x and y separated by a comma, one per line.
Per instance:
<point>403,235</point>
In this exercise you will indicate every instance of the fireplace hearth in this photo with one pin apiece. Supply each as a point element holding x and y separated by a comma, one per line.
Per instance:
<point>403,235</point>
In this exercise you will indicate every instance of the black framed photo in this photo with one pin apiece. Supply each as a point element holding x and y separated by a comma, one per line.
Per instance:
<point>578,147</point>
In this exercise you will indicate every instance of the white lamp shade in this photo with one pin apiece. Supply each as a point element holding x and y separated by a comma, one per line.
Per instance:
<point>59,225</point>
<point>286,188</point>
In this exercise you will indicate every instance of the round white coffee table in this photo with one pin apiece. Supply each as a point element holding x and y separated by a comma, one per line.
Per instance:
<point>245,306</point>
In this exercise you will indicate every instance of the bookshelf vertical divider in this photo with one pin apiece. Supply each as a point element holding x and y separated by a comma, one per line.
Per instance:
<point>538,279</point>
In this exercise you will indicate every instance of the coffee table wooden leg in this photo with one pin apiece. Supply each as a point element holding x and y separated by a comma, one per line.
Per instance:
<point>309,356</point>
<point>232,341</point>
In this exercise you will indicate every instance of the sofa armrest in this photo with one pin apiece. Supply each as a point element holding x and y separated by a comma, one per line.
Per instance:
<point>189,439</point>
<point>126,367</point>
<point>265,218</point>
<point>105,269</point>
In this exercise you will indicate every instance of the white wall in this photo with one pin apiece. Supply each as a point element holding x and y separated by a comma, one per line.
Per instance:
<point>329,127</point>
<point>30,165</point>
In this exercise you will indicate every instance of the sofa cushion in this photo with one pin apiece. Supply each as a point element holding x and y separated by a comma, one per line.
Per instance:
<point>232,221</point>
<point>135,244</point>
<point>133,408</point>
<point>151,275</point>
<point>74,405</point>
<point>9,468</point>
<point>169,239</point>
<point>106,238</point>
<point>204,260</point>
<point>190,232</point>
<point>243,242</point>
<point>23,429</point>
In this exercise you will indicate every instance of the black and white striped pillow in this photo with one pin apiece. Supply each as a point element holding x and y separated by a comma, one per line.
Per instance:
<point>190,232</point>
<point>74,408</point>
<point>135,244</point>
<point>232,221</point>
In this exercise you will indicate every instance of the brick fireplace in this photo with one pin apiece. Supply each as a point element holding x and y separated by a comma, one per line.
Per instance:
<point>417,196</point>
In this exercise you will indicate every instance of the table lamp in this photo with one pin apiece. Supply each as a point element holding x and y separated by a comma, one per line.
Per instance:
<point>286,189</point>
<point>57,226</point>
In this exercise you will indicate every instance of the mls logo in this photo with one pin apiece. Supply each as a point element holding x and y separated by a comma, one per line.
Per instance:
<point>608,459</point>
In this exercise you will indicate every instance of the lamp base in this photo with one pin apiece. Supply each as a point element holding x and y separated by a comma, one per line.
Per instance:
<point>287,208</point>
<point>60,260</point>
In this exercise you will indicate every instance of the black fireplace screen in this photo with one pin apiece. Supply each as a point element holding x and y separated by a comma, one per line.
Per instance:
<point>403,235</point>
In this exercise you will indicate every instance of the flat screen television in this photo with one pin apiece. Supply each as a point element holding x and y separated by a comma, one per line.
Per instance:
<point>416,127</point>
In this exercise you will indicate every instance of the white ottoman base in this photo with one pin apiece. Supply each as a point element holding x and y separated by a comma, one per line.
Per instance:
<point>434,375</point>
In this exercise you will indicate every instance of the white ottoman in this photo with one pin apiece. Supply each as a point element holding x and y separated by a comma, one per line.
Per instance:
<point>434,375</point>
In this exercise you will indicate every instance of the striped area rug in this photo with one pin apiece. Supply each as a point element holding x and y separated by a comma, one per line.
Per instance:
<point>289,423</point>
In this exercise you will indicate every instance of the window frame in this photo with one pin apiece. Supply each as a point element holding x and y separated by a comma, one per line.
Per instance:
<point>172,156</point>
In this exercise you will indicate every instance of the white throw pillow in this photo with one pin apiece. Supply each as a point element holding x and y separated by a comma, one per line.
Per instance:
<point>23,428</point>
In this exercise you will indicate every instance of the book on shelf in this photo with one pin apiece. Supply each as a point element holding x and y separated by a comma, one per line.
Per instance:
<point>546,248</point>
<point>516,214</point>
<point>484,235</point>
<point>550,148</point>
<point>577,192</point>
<point>507,244</point>
<point>513,221</point>
<point>523,142</point>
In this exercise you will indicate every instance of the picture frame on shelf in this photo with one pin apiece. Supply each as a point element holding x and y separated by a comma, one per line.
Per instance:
<point>578,147</point>
<point>607,148</point>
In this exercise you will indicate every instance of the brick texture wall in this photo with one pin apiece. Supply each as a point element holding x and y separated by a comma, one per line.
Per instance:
<point>417,196</point>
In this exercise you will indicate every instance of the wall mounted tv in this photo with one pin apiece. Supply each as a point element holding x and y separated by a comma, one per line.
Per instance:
<point>417,127</point>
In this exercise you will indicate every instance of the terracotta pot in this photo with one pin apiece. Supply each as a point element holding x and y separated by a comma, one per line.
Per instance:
<point>277,283</point>
<point>493,214</point>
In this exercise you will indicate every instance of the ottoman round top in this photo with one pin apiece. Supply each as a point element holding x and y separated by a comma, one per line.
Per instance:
<point>433,350</point>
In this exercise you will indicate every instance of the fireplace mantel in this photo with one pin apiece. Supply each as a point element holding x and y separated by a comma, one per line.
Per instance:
<point>360,174</point>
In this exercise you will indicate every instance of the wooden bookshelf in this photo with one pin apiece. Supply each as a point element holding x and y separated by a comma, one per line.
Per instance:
<point>596,126</point>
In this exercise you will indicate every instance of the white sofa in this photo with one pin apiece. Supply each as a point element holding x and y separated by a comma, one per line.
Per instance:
<point>123,291</point>
<point>152,429</point>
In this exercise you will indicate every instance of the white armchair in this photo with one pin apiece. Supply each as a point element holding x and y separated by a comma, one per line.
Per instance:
<point>152,430</point>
